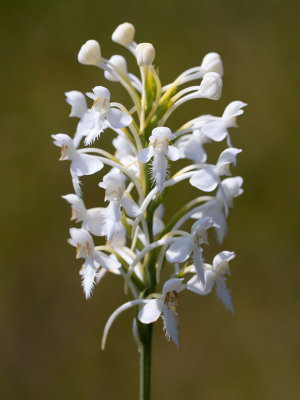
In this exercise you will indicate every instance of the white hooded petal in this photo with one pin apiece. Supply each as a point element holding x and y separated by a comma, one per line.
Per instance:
<point>151,311</point>
<point>173,284</point>
<point>180,250</point>
<point>170,324</point>
<point>228,156</point>
<point>77,205</point>
<point>130,207</point>
<point>196,286</point>
<point>145,155</point>
<point>86,164</point>
<point>77,101</point>
<point>118,119</point>
<point>205,180</point>
<point>223,257</point>
<point>223,293</point>
<point>232,188</point>
<point>192,149</point>
<point>232,111</point>
<point>173,153</point>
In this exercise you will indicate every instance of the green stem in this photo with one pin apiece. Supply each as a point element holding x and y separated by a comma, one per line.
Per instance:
<point>145,332</point>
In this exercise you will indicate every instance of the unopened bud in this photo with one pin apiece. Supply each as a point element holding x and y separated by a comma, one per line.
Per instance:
<point>120,63</point>
<point>123,34</point>
<point>211,86</point>
<point>212,63</point>
<point>90,53</point>
<point>145,54</point>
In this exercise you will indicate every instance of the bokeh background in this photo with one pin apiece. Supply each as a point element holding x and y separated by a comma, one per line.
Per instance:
<point>50,335</point>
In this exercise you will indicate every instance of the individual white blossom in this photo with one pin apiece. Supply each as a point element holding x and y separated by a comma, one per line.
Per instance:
<point>81,164</point>
<point>207,179</point>
<point>215,274</point>
<point>101,116</point>
<point>124,34</point>
<point>184,246</point>
<point>114,185</point>
<point>90,53</point>
<point>159,149</point>
<point>145,54</point>
<point>165,306</point>
<point>216,128</point>
<point>94,259</point>
<point>93,219</point>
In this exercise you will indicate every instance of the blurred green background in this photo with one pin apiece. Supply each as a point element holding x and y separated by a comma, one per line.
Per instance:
<point>50,335</point>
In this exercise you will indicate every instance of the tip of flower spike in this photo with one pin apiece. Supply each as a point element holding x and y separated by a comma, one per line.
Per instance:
<point>123,34</point>
<point>90,53</point>
<point>145,54</point>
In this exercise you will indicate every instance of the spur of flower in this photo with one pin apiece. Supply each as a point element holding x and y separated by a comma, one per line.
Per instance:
<point>124,232</point>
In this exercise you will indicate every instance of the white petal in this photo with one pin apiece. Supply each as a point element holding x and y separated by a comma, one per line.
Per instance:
<point>112,219</point>
<point>232,111</point>
<point>102,92</point>
<point>108,262</point>
<point>170,324</point>
<point>130,207</point>
<point>224,294</point>
<point>196,286</point>
<point>232,188</point>
<point>151,311</point>
<point>76,203</point>
<point>205,180</point>
<point>198,262</point>
<point>215,130</point>
<point>95,221</point>
<point>173,284</point>
<point>86,164</point>
<point>77,101</point>
<point>173,153</point>
<point>144,155</point>
<point>88,274</point>
<point>180,250</point>
<point>224,256</point>
<point>228,156</point>
<point>118,119</point>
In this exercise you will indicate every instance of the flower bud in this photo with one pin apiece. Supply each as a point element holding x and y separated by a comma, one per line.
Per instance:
<point>211,86</point>
<point>90,53</point>
<point>123,34</point>
<point>212,63</point>
<point>145,54</point>
<point>120,63</point>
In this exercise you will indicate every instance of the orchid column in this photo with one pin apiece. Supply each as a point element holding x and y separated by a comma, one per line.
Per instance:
<point>128,237</point>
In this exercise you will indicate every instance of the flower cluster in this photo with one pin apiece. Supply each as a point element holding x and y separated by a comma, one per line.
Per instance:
<point>136,243</point>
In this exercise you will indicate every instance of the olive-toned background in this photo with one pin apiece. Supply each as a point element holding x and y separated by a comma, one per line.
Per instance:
<point>50,335</point>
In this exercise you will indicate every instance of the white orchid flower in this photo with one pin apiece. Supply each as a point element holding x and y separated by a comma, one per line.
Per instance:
<point>93,219</point>
<point>101,116</point>
<point>182,247</point>
<point>215,274</point>
<point>165,307</point>
<point>114,185</point>
<point>207,179</point>
<point>215,207</point>
<point>216,128</point>
<point>81,164</point>
<point>82,240</point>
<point>159,149</point>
